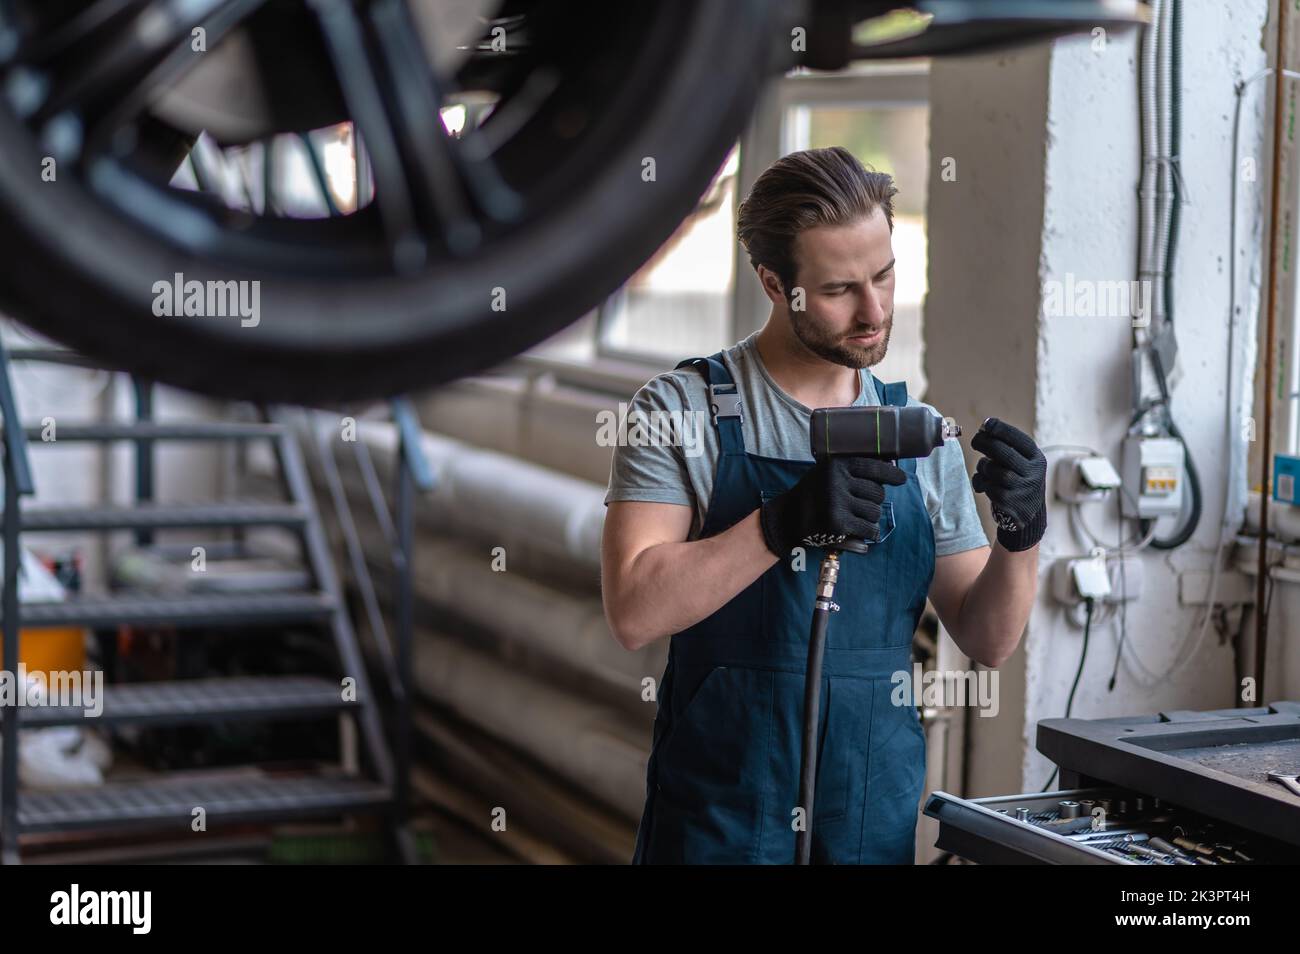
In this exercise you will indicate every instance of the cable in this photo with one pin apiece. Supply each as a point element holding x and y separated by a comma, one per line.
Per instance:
<point>1175,148</point>
<point>1123,614</point>
<point>1139,543</point>
<point>1078,674</point>
<point>1161,80</point>
<point>1087,629</point>
<point>811,711</point>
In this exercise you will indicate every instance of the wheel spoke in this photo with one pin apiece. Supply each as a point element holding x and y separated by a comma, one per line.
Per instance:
<point>318,171</point>
<point>345,40</point>
<point>205,177</point>
<point>97,97</point>
<point>472,166</point>
<point>130,52</point>
<point>83,24</point>
<point>269,204</point>
<point>421,135</point>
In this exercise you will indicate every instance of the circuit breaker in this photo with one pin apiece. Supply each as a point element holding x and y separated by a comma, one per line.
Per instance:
<point>1153,471</point>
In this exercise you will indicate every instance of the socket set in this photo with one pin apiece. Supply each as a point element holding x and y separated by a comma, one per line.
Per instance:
<point>1095,826</point>
<point>1178,788</point>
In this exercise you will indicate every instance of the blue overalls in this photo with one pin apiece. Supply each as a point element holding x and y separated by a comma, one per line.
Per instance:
<point>723,777</point>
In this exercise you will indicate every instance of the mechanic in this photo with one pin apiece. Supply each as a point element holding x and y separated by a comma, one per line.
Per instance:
<point>710,550</point>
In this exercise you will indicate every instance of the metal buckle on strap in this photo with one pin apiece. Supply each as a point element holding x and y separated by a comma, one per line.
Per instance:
<point>724,401</point>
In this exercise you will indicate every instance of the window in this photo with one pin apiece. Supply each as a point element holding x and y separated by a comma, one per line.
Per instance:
<point>678,304</point>
<point>697,294</point>
<point>889,134</point>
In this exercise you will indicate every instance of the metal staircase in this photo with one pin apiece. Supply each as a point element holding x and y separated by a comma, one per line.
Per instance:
<point>170,800</point>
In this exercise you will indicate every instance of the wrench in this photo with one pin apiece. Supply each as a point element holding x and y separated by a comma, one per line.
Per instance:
<point>1289,780</point>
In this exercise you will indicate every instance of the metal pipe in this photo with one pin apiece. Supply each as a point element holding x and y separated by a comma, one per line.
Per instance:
<point>1270,346</point>
<point>582,741</point>
<point>541,628</point>
<point>1147,228</point>
<point>1162,159</point>
<point>549,521</point>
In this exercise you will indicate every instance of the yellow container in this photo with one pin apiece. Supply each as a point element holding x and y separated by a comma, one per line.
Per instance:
<point>51,649</point>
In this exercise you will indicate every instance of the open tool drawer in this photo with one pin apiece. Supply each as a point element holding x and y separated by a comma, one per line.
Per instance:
<point>1184,787</point>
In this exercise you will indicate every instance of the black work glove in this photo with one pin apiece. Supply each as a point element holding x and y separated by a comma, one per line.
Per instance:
<point>839,497</point>
<point>1013,473</point>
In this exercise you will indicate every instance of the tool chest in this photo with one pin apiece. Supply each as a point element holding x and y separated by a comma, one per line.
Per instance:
<point>1173,788</point>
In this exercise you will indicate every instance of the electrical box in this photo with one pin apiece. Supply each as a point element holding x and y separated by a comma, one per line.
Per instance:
<point>1153,472</point>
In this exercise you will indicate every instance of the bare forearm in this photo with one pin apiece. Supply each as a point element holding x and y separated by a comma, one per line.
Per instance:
<point>671,586</point>
<point>997,606</point>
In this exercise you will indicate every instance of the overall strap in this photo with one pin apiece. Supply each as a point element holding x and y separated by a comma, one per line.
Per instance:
<point>894,394</point>
<point>724,402</point>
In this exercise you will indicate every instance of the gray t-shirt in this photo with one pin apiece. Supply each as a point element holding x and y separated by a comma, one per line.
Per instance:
<point>669,446</point>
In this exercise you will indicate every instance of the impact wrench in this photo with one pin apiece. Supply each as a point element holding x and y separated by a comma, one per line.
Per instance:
<point>884,433</point>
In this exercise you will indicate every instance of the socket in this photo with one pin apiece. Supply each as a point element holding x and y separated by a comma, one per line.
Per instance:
<point>1083,479</point>
<point>1074,579</point>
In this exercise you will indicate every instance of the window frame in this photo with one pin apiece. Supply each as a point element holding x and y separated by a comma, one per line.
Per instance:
<point>608,309</point>
<point>769,135</point>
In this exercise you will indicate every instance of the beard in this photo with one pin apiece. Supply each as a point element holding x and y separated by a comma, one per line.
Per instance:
<point>837,348</point>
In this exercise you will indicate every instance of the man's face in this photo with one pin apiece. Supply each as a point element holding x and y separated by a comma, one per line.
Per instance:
<point>847,274</point>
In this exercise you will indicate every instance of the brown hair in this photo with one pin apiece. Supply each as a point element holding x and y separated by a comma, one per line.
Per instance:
<point>802,190</point>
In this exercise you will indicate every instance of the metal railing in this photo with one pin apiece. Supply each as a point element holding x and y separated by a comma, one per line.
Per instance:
<point>18,483</point>
<point>397,527</point>
<point>413,471</point>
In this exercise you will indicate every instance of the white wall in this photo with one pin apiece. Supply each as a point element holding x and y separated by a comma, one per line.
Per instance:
<point>84,474</point>
<point>1048,159</point>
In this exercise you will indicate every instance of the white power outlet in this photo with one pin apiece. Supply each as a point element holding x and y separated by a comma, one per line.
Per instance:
<point>1075,579</point>
<point>1083,479</point>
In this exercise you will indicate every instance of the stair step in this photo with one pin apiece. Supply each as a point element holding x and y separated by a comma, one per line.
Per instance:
<point>152,430</point>
<point>171,801</point>
<point>160,516</point>
<point>243,698</point>
<point>195,610</point>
